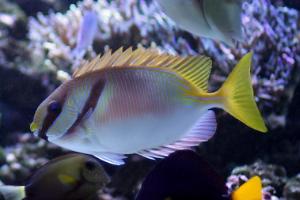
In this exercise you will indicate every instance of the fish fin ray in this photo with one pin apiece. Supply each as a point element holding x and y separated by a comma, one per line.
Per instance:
<point>112,158</point>
<point>149,155</point>
<point>252,189</point>
<point>195,69</point>
<point>202,131</point>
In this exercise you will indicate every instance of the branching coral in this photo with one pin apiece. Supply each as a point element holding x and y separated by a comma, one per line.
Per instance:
<point>12,25</point>
<point>23,158</point>
<point>292,188</point>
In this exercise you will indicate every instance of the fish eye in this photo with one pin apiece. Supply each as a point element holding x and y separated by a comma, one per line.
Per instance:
<point>90,165</point>
<point>54,107</point>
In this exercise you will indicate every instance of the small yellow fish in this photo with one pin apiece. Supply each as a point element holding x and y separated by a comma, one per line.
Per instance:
<point>216,19</point>
<point>142,102</point>
<point>69,177</point>
<point>251,190</point>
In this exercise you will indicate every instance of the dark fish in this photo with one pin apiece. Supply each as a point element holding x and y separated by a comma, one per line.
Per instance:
<point>185,175</point>
<point>69,177</point>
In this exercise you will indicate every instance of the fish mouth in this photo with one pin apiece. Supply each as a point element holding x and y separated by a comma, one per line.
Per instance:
<point>34,128</point>
<point>36,132</point>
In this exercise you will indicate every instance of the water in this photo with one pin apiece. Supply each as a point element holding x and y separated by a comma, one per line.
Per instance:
<point>36,44</point>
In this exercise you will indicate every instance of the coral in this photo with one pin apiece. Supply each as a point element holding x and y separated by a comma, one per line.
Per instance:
<point>15,99</point>
<point>12,28</point>
<point>125,23</point>
<point>23,158</point>
<point>292,188</point>
<point>120,23</point>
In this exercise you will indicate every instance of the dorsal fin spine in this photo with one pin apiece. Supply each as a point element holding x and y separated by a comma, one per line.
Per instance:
<point>190,62</point>
<point>198,68</point>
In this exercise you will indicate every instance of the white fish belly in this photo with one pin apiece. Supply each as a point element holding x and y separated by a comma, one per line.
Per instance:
<point>145,132</point>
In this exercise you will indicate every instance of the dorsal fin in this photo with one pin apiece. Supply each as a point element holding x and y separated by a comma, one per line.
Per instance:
<point>195,69</point>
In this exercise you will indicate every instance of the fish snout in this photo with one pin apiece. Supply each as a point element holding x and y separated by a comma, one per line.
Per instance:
<point>36,132</point>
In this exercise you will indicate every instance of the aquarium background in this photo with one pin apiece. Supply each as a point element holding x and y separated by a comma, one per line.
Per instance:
<point>37,42</point>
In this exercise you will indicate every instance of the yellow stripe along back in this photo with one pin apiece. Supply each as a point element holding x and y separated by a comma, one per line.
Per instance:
<point>195,69</point>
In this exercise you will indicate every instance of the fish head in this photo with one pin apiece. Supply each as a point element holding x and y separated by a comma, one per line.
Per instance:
<point>51,118</point>
<point>93,172</point>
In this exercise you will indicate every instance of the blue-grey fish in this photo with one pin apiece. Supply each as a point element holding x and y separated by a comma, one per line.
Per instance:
<point>86,33</point>
<point>142,102</point>
<point>69,177</point>
<point>215,19</point>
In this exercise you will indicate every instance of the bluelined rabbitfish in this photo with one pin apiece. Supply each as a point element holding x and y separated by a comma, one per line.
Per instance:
<point>143,102</point>
<point>215,19</point>
<point>69,177</point>
<point>185,175</point>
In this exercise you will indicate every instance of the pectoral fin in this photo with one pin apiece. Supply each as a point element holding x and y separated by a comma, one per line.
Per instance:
<point>112,158</point>
<point>67,179</point>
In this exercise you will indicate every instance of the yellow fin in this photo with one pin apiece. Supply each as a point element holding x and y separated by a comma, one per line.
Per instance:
<point>195,69</point>
<point>33,127</point>
<point>251,190</point>
<point>67,179</point>
<point>238,96</point>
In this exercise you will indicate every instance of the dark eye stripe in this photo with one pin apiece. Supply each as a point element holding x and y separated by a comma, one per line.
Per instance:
<point>52,115</point>
<point>50,118</point>
<point>90,103</point>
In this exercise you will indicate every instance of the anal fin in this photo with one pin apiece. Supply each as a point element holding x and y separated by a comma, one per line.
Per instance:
<point>203,130</point>
<point>112,158</point>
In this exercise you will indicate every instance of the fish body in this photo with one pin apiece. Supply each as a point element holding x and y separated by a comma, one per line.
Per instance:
<point>215,19</point>
<point>69,177</point>
<point>186,175</point>
<point>157,109</point>
<point>125,103</point>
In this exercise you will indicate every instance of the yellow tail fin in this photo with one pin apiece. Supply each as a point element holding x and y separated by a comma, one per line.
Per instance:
<point>251,190</point>
<point>238,96</point>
